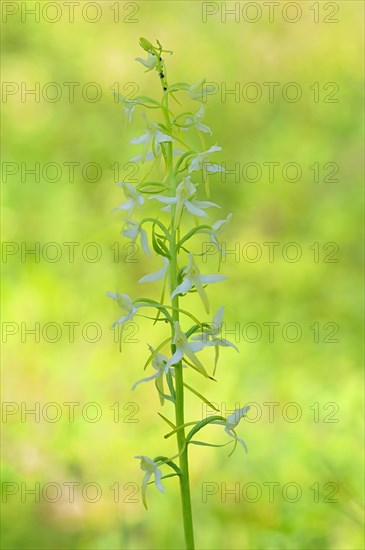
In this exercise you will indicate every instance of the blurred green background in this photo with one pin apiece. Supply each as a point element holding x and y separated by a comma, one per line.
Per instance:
<point>321,452</point>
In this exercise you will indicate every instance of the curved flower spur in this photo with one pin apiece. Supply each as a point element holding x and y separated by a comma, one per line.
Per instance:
<point>177,190</point>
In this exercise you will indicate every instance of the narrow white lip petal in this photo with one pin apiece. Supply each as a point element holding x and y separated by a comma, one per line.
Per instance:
<point>202,293</point>
<point>157,275</point>
<point>185,286</point>
<point>161,137</point>
<point>124,206</point>
<point>213,149</point>
<point>209,279</point>
<point>164,200</point>
<point>175,358</point>
<point>138,158</point>
<point>198,346</point>
<point>203,128</point>
<point>140,139</point>
<point>205,204</point>
<point>158,475</point>
<point>225,343</point>
<point>147,379</point>
<point>194,210</point>
<point>144,242</point>
<point>218,317</point>
<point>121,320</point>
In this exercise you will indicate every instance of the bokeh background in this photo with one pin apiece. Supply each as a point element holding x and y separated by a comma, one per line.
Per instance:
<point>321,452</point>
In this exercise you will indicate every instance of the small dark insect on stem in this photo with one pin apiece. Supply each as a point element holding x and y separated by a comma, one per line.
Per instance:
<point>162,75</point>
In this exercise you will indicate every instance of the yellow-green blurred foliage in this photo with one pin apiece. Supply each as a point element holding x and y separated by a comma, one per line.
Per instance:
<point>311,452</point>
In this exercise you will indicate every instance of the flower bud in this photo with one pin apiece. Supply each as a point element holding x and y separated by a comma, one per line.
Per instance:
<point>145,44</point>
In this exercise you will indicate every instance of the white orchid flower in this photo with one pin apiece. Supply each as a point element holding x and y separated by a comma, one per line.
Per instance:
<point>197,91</point>
<point>199,161</point>
<point>183,199</point>
<point>132,230</point>
<point>192,277</point>
<point>150,467</point>
<point>232,422</point>
<point>210,336</point>
<point>159,364</point>
<point>135,198</point>
<point>157,275</point>
<point>152,138</point>
<point>195,122</point>
<point>184,347</point>
<point>150,62</point>
<point>217,228</point>
<point>126,304</point>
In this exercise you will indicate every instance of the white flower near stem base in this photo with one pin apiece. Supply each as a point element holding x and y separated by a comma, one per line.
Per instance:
<point>200,161</point>
<point>151,468</point>
<point>185,348</point>
<point>135,198</point>
<point>193,278</point>
<point>132,230</point>
<point>126,304</point>
<point>157,275</point>
<point>183,199</point>
<point>210,336</point>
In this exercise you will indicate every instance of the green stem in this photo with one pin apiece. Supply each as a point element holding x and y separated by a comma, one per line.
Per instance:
<point>179,381</point>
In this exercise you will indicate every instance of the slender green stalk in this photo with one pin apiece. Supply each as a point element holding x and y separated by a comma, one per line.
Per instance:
<point>179,382</point>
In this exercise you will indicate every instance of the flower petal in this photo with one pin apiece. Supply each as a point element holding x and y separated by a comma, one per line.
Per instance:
<point>185,286</point>
<point>194,210</point>
<point>157,275</point>
<point>163,199</point>
<point>144,242</point>
<point>209,279</point>
<point>145,380</point>
<point>140,139</point>
<point>158,476</point>
<point>205,204</point>
<point>174,359</point>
